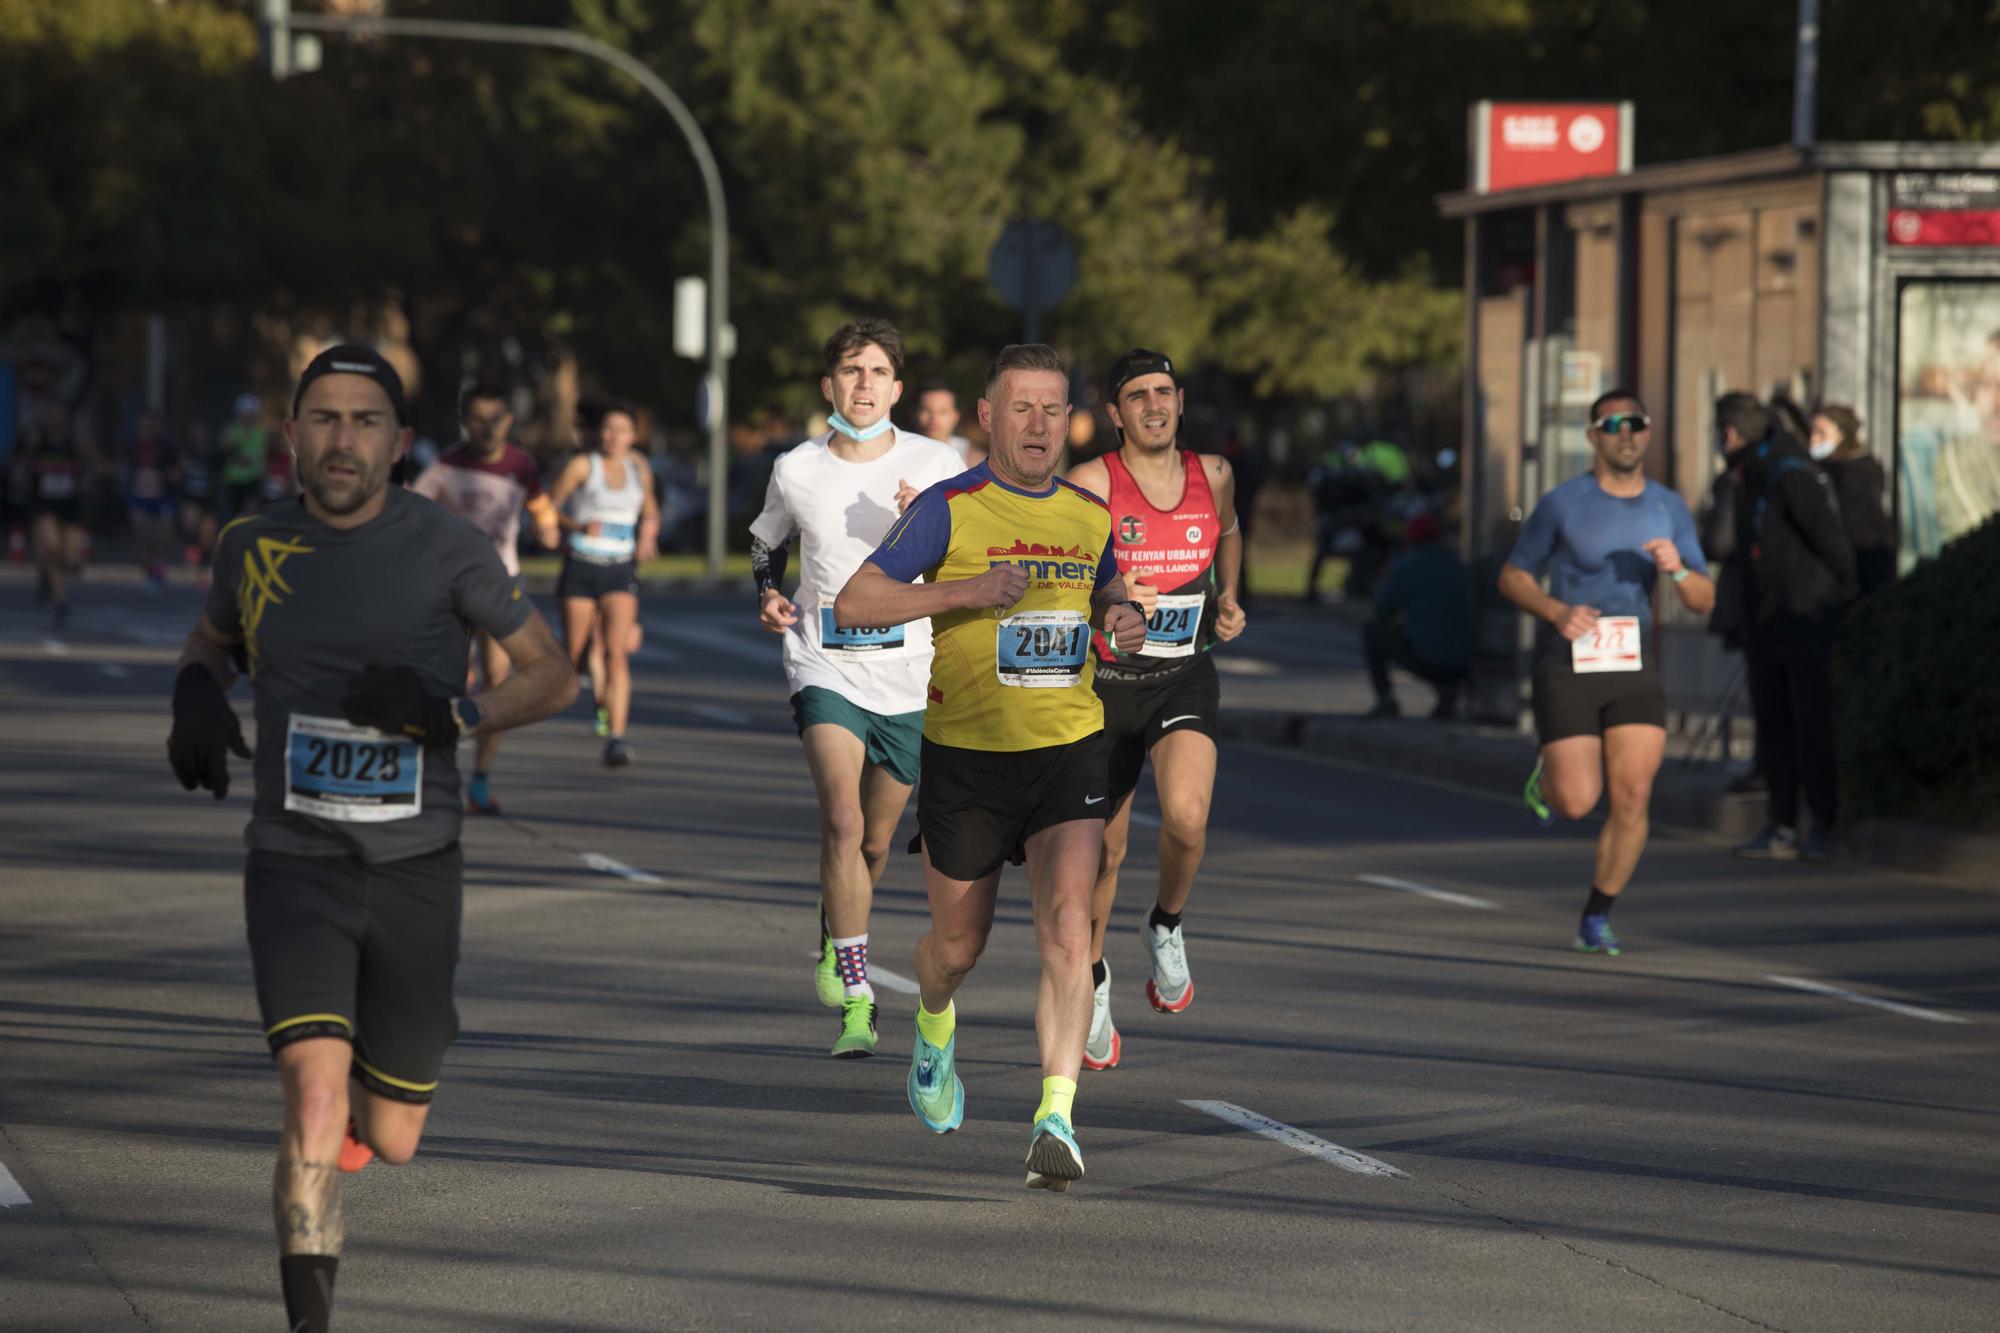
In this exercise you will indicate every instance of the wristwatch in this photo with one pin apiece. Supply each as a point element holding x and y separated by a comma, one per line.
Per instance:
<point>467,713</point>
<point>1680,574</point>
<point>1140,609</point>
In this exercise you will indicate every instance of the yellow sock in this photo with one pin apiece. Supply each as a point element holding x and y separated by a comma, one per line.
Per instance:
<point>1058,1096</point>
<point>937,1028</point>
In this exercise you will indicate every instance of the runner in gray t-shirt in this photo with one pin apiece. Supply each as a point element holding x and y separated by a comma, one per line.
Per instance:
<point>353,608</point>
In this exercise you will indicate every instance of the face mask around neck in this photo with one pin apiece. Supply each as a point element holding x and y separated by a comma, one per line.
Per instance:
<point>856,433</point>
<point>1821,450</point>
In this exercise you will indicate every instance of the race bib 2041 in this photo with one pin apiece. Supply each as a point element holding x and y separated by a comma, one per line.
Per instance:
<point>1041,649</point>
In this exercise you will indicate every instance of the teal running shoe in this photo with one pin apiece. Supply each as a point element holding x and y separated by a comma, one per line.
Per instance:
<point>936,1095</point>
<point>1531,796</point>
<point>1593,935</point>
<point>826,980</point>
<point>1053,1157</point>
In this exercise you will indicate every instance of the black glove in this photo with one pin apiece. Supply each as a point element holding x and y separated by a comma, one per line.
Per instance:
<point>393,699</point>
<point>205,731</point>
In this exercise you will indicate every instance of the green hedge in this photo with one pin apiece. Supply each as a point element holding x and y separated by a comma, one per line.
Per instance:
<point>1917,691</point>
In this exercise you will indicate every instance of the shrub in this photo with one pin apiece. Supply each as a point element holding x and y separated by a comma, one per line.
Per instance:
<point>1917,690</point>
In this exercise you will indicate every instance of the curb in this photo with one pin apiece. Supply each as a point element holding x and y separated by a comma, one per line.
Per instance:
<point>1496,762</point>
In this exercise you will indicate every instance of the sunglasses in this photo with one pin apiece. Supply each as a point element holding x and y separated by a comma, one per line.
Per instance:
<point>1617,421</point>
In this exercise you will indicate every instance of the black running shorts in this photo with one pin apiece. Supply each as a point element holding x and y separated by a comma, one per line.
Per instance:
<point>362,952</point>
<point>587,579</point>
<point>1141,708</point>
<point>976,809</point>
<point>1568,704</point>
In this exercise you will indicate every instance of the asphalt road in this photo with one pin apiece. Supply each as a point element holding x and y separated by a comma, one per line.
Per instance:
<point>640,1128</point>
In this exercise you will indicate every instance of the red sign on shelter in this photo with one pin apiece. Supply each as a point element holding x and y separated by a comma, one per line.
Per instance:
<point>1517,144</point>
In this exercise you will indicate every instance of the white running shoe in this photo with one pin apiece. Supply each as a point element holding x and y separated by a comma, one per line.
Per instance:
<point>1171,988</point>
<point>1101,1047</point>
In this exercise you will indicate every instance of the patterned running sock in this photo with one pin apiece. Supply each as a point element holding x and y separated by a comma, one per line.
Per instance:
<point>850,960</point>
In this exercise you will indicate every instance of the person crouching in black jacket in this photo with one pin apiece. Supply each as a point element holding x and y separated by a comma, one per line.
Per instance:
<point>1859,487</point>
<point>1801,579</point>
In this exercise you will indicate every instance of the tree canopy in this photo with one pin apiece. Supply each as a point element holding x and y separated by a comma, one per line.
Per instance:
<point>1249,186</point>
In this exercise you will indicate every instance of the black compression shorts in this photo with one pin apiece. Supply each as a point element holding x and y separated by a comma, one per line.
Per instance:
<point>976,809</point>
<point>1568,703</point>
<point>1141,708</point>
<point>587,579</point>
<point>361,952</point>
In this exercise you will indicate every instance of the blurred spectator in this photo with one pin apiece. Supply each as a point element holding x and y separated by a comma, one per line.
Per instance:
<point>151,462</point>
<point>1347,520</point>
<point>1422,621</point>
<point>1858,487</point>
<point>1725,524</point>
<point>1802,577</point>
<point>937,417</point>
<point>56,462</point>
<point>245,443</point>
<point>197,484</point>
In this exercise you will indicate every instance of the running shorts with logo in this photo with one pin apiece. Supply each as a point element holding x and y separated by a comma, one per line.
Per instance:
<point>1592,545</point>
<point>1140,709</point>
<point>1170,683</point>
<point>360,952</point>
<point>976,809</point>
<point>1010,695</point>
<point>353,832</point>
<point>891,741</point>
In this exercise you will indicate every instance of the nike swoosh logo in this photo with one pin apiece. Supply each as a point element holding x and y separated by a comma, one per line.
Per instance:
<point>1184,717</point>
<point>1093,800</point>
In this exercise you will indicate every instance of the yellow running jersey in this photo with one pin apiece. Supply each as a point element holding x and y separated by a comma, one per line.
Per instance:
<point>1014,678</point>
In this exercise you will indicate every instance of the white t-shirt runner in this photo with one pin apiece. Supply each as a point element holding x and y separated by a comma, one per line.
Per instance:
<point>841,511</point>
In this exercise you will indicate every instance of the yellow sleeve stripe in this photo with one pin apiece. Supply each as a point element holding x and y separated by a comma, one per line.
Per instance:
<point>276,1028</point>
<point>404,1084</point>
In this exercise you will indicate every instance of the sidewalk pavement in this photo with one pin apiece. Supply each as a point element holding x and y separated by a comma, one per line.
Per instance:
<point>1299,680</point>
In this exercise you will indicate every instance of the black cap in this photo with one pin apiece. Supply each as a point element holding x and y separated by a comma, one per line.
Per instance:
<point>1139,361</point>
<point>355,359</point>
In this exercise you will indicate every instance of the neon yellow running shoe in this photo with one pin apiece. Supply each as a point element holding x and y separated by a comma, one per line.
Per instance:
<point>857,1029</point>
<point>602,724</point>
<point>1531,795</point>
<point>826,980</point>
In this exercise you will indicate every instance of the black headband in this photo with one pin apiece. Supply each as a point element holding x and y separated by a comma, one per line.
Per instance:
<point>1135,363</point>
<point>355,359</point>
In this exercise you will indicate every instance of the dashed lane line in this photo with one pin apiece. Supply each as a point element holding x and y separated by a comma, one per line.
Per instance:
<point>1296,1139</point>
<point>1426,891</point>
<point>11,1193</point>
<point>1873,1002</point>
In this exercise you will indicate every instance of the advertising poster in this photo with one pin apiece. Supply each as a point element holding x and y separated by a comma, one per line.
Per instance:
<point>1947,412</point>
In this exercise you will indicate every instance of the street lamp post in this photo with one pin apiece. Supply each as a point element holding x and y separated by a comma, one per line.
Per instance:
<point>277,22</point>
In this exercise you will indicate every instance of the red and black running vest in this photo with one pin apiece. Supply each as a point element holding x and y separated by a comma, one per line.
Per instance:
<point>1172,550</point>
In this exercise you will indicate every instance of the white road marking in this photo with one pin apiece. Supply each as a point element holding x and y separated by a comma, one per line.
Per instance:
<point>1144,820</point>
<point>1245,666</point>
<point>11,1193</point>
<point>715,713</point>
<point>882,976</point>
<point>1296,1139</point>
<point>1856,997</point>
<point>55,647</point>
<point>113,670</point>
<point>1426,891</point>
<point>599,862</point>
